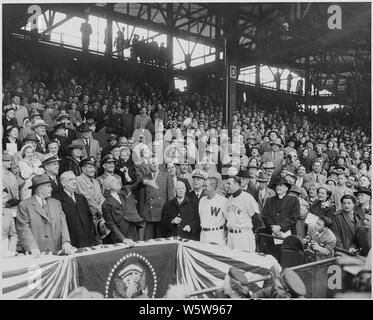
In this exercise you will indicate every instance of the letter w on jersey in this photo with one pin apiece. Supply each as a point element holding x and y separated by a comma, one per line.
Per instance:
<point>214,211</point>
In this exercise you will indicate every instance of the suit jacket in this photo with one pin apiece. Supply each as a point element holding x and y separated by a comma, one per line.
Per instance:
<point>344,229</point>
<point>192,195</point>
<point>155,198</point>
<point>37,229</point>
<point>285,213</point>
<point>311,177</point>
<point>56,187</point>
<point>79,219</point>
<point>70,164</point>
<point>94,147</point>
<point>188,212</point>
<point>39,148</point>
<point>268,156</point>
<point>261,202</point>
<point>115,219</point>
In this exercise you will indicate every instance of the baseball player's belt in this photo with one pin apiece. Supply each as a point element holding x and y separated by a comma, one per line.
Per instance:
<point>212,229</point>
<point>235,230</point>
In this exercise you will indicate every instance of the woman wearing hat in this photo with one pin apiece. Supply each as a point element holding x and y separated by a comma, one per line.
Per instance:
<point>29,166</point>
<point>125,166</point>
<point>12,136</point>
<point>26,128</point>
<point>281,212</point>
<point>72,161</point>
<point>322,205</point>
<point>9,117</point>
<point>346,221</point>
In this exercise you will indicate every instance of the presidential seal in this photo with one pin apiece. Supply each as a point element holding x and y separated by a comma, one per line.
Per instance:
<point>132,276</point>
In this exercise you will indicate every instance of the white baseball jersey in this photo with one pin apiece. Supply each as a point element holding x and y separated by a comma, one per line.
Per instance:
<point>240,210</point>
<point>212,211</point>
<point>212,215</point>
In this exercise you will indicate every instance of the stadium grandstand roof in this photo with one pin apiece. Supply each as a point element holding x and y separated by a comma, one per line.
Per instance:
<point>291,35</point>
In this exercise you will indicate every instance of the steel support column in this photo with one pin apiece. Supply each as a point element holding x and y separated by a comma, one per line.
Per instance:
<point>109,29</point>
<point>170,41</point>
<point>306,83</point>
<point>231,43</point>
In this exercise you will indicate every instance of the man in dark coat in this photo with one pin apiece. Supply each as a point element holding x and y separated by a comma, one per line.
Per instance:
<point>180,215</point>
<point>77,212</point>
<point>199,177</point>
<point>51,165</point>
<point>281,212</point>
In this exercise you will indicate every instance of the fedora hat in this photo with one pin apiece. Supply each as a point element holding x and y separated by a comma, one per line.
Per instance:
<point>84,128</point>
<point>112,137</point>
<point>363,190</point>
<point>277,142</point>
<point>101,230</point>
<point>243,174</point>
<point>38,180</point>
<point>48,159</point>
<point>91,122</point>
<point>38,123</point>
<point>31,137</point>
<point>262,178</point>
<point>280,180</point>
<point>268,165</point>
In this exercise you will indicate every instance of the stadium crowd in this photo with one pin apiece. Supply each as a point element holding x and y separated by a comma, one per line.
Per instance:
<point>89,159</point>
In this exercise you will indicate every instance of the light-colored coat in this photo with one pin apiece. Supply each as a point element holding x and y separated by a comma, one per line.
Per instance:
<point>37,230</point>
<point>311,177</point>
<point>92,191</point>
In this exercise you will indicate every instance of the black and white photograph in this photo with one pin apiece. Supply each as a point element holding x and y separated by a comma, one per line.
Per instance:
<point>191,151</point>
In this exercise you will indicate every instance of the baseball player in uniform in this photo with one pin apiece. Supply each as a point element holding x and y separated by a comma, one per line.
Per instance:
<point>212,210</point>
<point>240,210</point>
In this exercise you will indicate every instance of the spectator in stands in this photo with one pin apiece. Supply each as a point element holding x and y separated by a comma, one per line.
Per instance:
<point>127,122</point>
<point>281,212</point>
<point>340,190</point>
<point>108,166</point>
<point>29,166</point>
<point>323,239</point>
<point>142,120</point>
<point>78,215</point>
<point>11,136</point>
<point>155,199</point>
<point>91,146</point>
<point>41,223</point>
<point>75,116</point>
<point>346,221</point>
<point>40,128</point>
<point>304,209</point>
<point>86,30</point>
<point>51,165</point>
<point>114,215</point>
<point>9,118</point>
<point>361,242</point>
<point>315,175</point>
<point>180,215</point>
<point>20,111</point>
<point>322,206</point>
<point>72,161</point>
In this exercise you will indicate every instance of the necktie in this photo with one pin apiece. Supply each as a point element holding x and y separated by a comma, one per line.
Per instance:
<point>72,196</point>
<point>317,178</point>
<point>44,205</point>
<point>42,143</point>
